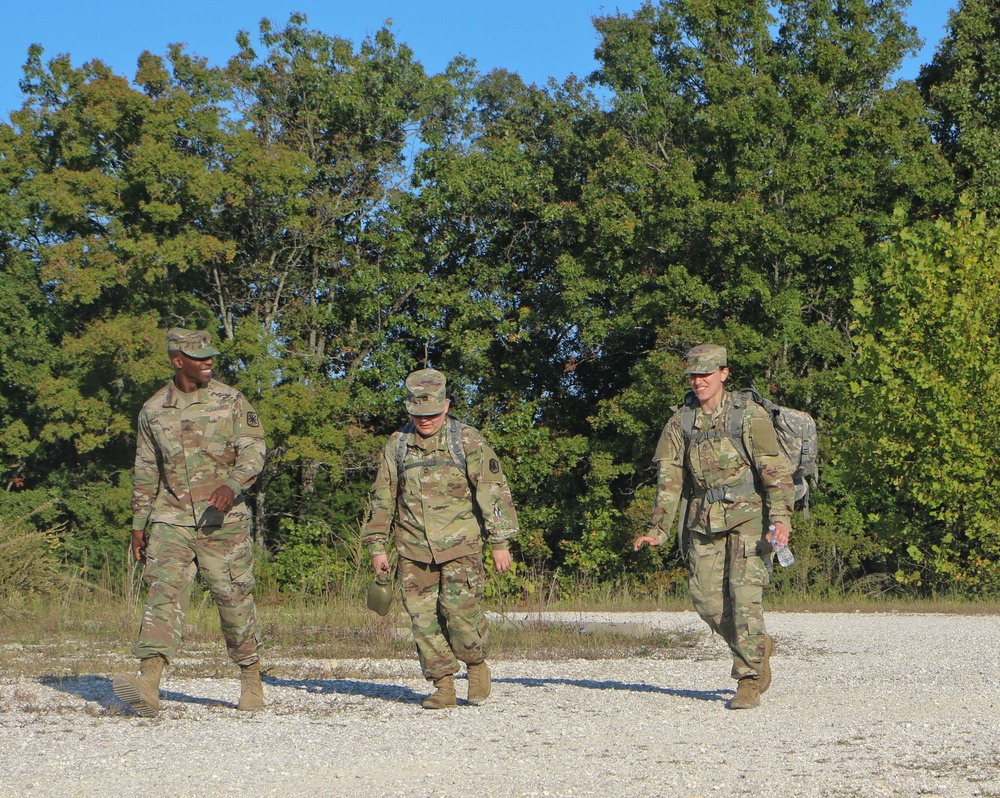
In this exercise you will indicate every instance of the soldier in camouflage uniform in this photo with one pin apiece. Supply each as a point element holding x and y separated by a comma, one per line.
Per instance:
<point>730,506</point>
<point>440,513</point>
<point>199,448</point>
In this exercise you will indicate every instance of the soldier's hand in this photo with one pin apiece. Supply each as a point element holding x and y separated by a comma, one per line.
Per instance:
<point>138,545</point>
<point>645,540</point>
<point>502,560</point>
<point>222,498</point>
<point>380,562</point>
<point>780,534</point>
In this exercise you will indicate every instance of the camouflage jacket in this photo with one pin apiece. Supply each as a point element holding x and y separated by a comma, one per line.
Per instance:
<point>715,469</point>
<point>438,512</point>
<point>189,444</point>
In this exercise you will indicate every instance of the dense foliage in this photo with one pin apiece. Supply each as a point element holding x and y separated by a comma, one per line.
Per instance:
<point>736,171</point>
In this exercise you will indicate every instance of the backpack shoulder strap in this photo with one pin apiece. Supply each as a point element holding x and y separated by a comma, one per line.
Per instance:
<point>687,417</point>
<point>401,441</point>
<point>455,445</point>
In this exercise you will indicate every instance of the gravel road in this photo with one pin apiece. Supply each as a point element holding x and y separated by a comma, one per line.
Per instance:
<point>861,705</point>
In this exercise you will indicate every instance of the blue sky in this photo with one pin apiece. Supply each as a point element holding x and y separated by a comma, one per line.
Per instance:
<point>536,38</point>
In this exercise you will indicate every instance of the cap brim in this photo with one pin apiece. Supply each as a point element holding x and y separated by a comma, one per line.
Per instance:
<point>429,409</point>
<point>700,369</point>
<point>208,351</point>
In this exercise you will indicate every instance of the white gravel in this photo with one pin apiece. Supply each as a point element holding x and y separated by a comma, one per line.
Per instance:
<point>861,705</point>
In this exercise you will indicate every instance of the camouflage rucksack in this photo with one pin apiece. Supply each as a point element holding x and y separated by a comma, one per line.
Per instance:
<point>795,430</point>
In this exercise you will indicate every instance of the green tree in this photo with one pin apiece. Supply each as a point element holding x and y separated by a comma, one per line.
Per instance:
<point>915,439</point>
<point>771,153</point>
<point>961,87</point>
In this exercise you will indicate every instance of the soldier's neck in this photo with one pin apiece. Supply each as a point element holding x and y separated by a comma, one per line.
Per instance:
<point>709,406</point>
<point>186,384</point>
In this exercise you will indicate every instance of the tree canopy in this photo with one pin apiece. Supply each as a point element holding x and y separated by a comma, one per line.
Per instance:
<point>736,171</point>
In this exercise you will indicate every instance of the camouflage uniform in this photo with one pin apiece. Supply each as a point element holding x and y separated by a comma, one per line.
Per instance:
<point>439,515</point>
<point>730,507</point>
<point>188,445</point>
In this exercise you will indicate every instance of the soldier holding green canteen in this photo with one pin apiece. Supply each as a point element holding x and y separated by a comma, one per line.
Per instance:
<point>199,448</point>
<point>736,482</point>
<point>441,495</point>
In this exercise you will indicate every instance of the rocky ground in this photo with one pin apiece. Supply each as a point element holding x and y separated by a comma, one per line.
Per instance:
<point>861,705</point>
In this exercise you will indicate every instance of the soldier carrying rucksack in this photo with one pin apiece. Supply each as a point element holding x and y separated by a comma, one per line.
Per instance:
<point>720,452</point>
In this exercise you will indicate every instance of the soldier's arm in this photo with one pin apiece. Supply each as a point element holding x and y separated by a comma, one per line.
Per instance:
<point>249,445</point>
<point>381,503</point>
<point>760,438</point>
<point>490,491</point>
<point>145,475</point>
<point>669,458</point>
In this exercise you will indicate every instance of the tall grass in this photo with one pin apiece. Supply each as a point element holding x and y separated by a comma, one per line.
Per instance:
<point>29,562</point>
<point>76,626</point>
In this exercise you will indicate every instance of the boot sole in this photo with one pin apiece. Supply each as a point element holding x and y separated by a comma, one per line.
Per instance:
<point>129,694</point>
<point>436,705</point>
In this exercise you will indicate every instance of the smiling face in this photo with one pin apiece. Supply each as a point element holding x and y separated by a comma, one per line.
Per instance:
<point>708,388</point>
<point>191,373</point>
<point>429,425</point>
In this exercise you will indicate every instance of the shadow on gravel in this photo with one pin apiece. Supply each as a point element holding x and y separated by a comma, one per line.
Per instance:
<point>89,688</point>
<point>98,689</point>
<point>386,692</point>
<point>593,684</point>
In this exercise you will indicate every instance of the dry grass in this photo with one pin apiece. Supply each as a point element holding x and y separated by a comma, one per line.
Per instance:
<point>90,629</point>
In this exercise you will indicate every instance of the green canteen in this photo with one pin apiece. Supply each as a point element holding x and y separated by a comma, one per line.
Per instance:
<point>380,594</point>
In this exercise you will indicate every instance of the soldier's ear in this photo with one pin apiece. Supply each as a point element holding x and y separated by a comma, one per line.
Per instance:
<point>725,373</point>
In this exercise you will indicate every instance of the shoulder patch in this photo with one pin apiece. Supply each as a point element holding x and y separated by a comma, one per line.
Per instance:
<point>253,420</point>
<point>494,465</point>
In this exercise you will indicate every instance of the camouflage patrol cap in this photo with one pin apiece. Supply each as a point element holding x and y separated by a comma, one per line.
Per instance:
<point>425,393</point>
<point>706,359</point>
<point>193,343</point>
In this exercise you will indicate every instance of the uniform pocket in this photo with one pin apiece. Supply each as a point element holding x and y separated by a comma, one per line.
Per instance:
<point>167,441</point>
<point>241,566</point>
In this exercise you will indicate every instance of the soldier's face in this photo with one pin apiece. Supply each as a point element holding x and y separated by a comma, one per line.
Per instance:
<point>708,387</point>
<point>428,425</point>
<point>192,370</point>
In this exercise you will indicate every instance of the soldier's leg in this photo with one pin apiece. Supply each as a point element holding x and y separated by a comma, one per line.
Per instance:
<point>463,584</point>
<point>169,554</point>
<point>421,588</point>
<point>225,561</point>
<point>749,574</point>
<point>708,582</point>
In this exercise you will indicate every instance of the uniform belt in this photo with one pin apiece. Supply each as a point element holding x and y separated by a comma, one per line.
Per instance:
<point>727,494</point>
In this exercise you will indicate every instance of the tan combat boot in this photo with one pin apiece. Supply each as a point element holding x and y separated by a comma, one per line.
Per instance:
<point>443,695</point>
<point>747,694</point>
<point>479,682</point>
<point>251,690</point>
<point>142,692</point>
<point>765,671</point>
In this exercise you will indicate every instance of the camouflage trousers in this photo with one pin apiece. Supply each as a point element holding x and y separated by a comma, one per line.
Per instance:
<point>443,600</point>
<point>727,576</point>
<point>223,555</point>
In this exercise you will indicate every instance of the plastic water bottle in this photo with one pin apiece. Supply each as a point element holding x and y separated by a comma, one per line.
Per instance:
<point>783,553</point>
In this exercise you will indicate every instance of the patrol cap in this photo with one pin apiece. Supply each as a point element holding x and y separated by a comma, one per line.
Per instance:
<point>193,343</point>
<point>425,393</point>
<point>706,359</point>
